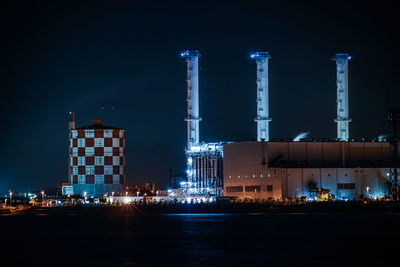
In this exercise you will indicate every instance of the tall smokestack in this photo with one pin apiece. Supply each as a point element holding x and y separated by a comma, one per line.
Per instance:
<point>263,118</point>
<point>192,80</point>
<point>72,120</point>
<point>342,98</point>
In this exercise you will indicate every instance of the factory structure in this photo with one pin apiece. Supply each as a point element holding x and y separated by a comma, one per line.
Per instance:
<point>278,170</point>
<point>204,160</point>
<point>96,161</point>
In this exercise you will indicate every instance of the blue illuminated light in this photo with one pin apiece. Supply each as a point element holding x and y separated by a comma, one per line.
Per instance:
<point>190,53</point>
<point>341,57</point>
<point>260,55</point>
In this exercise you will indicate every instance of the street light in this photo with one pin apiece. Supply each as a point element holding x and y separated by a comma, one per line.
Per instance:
<point>157,192</point>
<point>367,191</point>
<point>10,197</point>
<point>84,194</point>
<point>137,193</point>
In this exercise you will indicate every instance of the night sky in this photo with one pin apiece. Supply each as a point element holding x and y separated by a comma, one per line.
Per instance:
<point>119,62</point>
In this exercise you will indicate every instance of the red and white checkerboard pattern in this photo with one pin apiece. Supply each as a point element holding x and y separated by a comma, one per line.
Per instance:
<point>97,156</point>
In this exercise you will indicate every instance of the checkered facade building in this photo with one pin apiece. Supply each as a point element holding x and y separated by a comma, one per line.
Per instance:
<point>96,160</point>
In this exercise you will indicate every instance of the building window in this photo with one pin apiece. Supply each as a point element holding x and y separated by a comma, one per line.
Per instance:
<point>81,142</point>
<point>89,133</point>
<point>89,151</point>
<point>99,142</point>
<point>253,188</point>
<point>99,178</point>
<point>116,179</point>
<point>108,170</point>
<point>108,133</point>
<point>98,160</point>
<point>74,151</point>
<point>346,186</point>
<point>108,151</point>
<point>254,176</point>
<point>246,176</point>
<point>234,189</point>
<point>89,170</point>
<point>115,142</point>
<point>261,176</point>
<point>238,176</point>
<point>115,161</point>
<point>230,176</point>
<point>81,161</point>
<point>75,170</point>
<point>269,188</point>
<point>81,179</point>
<point>269,175</point>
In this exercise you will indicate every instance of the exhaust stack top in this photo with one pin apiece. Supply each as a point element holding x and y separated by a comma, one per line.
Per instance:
<point>342,98</point>
<point>262,118</point>
<point>192,81</point>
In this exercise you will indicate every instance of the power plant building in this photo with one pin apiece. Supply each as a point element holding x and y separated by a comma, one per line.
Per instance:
<point>203,160</point>
<point>96,160</point>
<point>283,170</point>
<point>265,170</point>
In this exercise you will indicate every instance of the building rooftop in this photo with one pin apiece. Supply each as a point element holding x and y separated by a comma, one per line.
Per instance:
<point>97,124</point>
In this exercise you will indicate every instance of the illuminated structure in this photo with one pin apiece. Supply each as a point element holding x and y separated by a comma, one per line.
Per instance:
<point>96,163</point>
<point>263,169</point>
<point>192,99</point>
<point>282,170</point>
<point>349,170</point>
<point>342,96</point>
<point>262,118</point>
<point>204,160</point>
<point>204,168</point>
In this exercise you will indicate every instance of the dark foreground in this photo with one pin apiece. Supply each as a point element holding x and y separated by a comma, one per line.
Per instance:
<point>125,236</point>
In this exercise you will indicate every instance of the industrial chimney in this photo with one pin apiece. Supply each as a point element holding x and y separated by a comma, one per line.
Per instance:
<point>262,118</point>
<point>192,80</point>
<point>342,98</point>
<point>72,120</point>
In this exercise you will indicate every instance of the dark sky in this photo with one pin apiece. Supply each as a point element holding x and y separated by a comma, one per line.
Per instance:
<point>58,57</point>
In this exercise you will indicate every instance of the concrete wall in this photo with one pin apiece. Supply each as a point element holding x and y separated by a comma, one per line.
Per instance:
<point>323,154</point>
<point>242,161</point>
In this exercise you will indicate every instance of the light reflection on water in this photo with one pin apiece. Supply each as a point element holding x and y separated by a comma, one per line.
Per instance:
<point>197,214</point>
